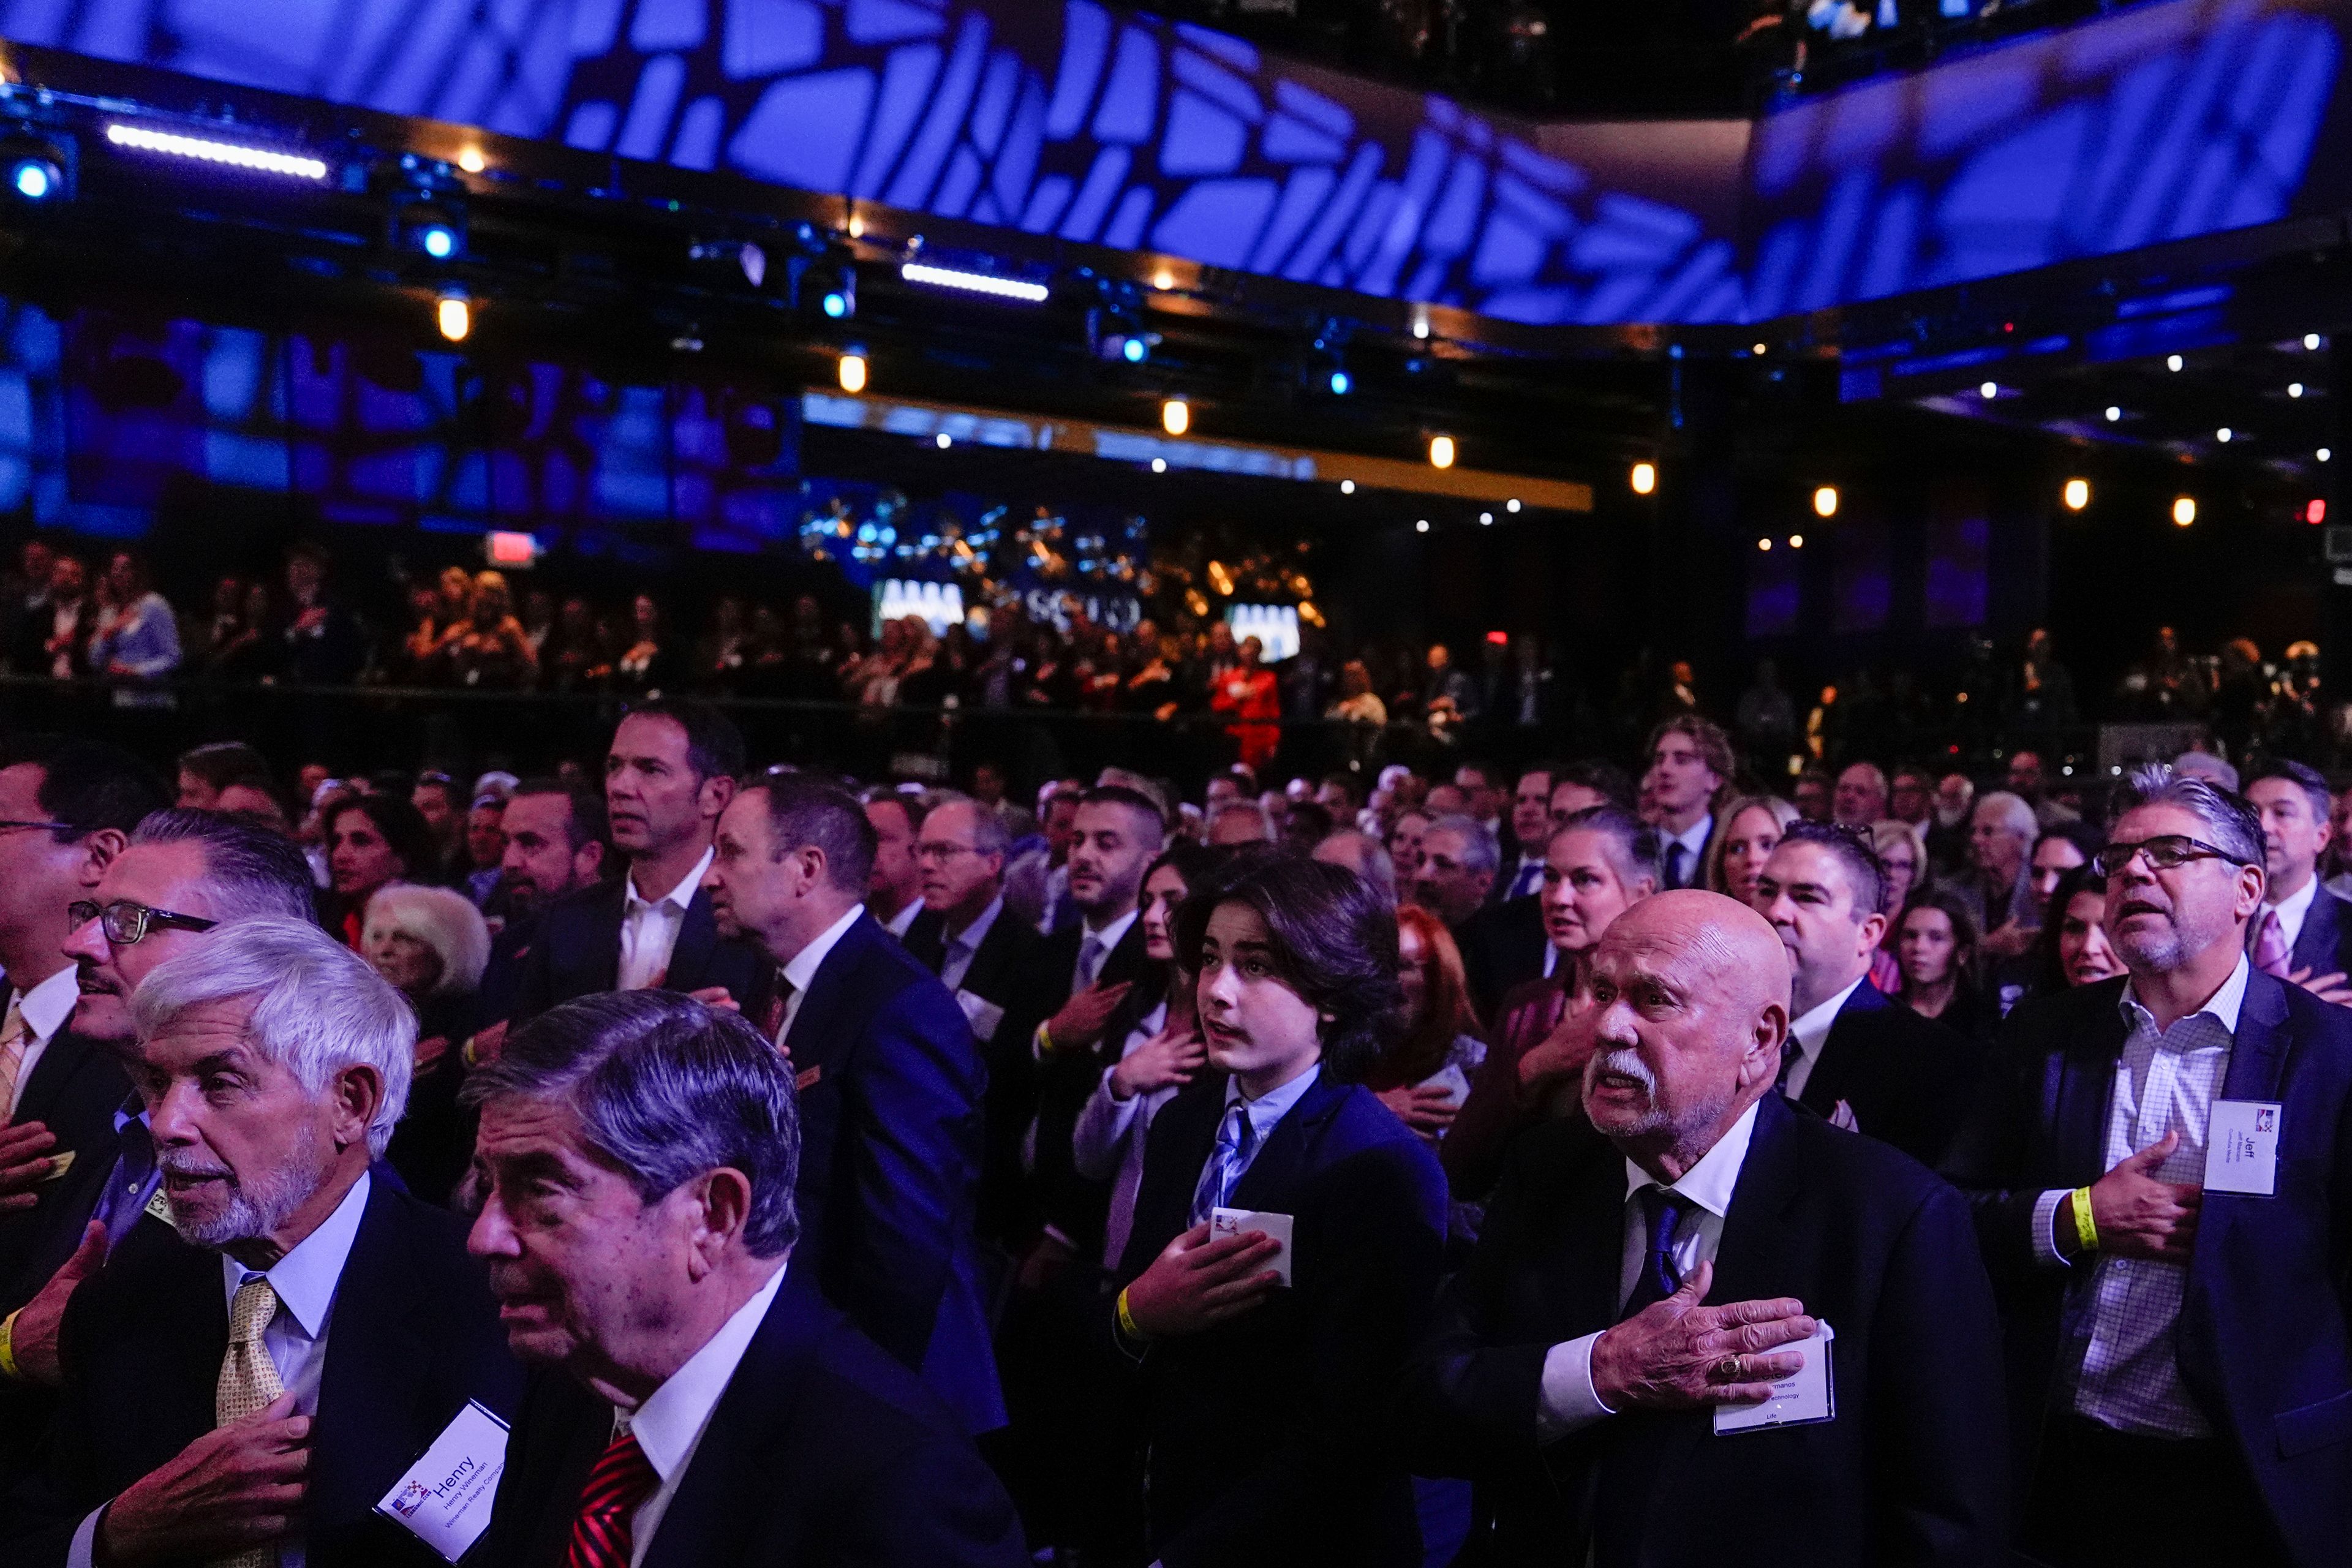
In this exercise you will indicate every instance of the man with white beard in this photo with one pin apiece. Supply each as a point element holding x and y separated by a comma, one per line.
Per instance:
<point>1577,1373</point>
<point>243,1382</point>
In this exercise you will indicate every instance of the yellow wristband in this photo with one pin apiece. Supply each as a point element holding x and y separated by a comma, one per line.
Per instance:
<point>1044,1042</point>
<point>2086,1230</point>
<point>1127,1322</point>
<point>14,1373</point>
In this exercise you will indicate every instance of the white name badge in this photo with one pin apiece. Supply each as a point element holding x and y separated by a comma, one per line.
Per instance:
<point>2241,1150</point>
<point>444,1499</point>
<point>1803,1397</point>
<point>982,1014</point>
<point>1223,1223</point>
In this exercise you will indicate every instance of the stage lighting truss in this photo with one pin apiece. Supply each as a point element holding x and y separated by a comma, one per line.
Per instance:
<point>38,169</point>
<point>219,153</point>
<point>1115,327</point>
<point>424,215</point>
<point>729,263</point>
<point>1327,370</point>
<point>987,284</point>
<point>817,281</point>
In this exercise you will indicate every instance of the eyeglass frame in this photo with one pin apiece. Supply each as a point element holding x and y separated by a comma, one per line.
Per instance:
<point>2132,851</point>
<point>150,919</point>
<point>939,852</point>
<point>11,827</point>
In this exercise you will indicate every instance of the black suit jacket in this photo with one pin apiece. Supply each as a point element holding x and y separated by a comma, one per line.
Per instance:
<point>999,969</point>
<point>1502,949</point>
<point>823,1451</point>
<point>2265,1334</point>
<point>1908,1471</point>
<point>576,951</point>
<point>1906,1078</point>
<point>414,1334</point>
<point>76,1088</point>
<point>2323,945</point>
<point>1267,1435</point>
<point>889,1108</point>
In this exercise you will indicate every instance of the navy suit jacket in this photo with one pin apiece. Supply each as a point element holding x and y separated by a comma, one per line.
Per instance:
<point>76,1088</point>
<point>414,1334</point>
<point>1909,1471</point>
<point>822,1453</point>
<point>1267,1437</point>
<point>1906,1077</point>
<point>890,1086</point>
<point>2266,1335</point>
<point>1502,949</point>
<point>575,951</point>
<point>2323,945</point>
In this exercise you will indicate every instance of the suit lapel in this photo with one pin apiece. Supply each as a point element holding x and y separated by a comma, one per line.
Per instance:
<point>1273,1179</point>
<point>689,956</point>
<point>1843,1051</point>
<point>815,1039</point>
<point>600,965</point>
<point>2077,1101</point>
<point>1175,1150</point>
<point>1588,1265</point>
<point>2316,943</point>
<point>367,1394</point>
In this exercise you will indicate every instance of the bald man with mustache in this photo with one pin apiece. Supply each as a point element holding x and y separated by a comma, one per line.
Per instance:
<point>1689,1241</point>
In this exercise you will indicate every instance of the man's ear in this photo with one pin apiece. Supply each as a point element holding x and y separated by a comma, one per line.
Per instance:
<point>358,1092</point>
<point>99,849</point>
<point>718,792</point>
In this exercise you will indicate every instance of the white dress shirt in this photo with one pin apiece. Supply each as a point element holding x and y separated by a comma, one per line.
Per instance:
<point>1111,1131</point>
<point>296,1337</point>
<point>2129,1377</point>
<point>1102,942</point>
<point>2293,908</point>
<point>1809,1034</point>
<point>1566,1401</point>
<point>649,930</point>
<point>670,1422</point>
<point>1684,850</point>
<point>1264,1113</point>
<point>964,946</point>
<point>45,1009</point>
<point>1526,877</point>
<point>896,924</point>
<point>804,965</point>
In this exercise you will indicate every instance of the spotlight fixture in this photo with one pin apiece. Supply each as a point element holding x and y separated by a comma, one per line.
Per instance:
<point>2311,341</point>
<point>2114,413</point>
<point>2076,495</point>
<point>1019,291</point>
<point>2295,389</point>
<point>2323,453</point>
<point>2184,511</point>
<point>1163,280</point>
<point>942,440</point>
<point>1825,501</point>
<point>1796,542</point>
<point>853,371</point>
<point>1758,351</point>
<point>2222,435</point>
<point>228,155</point>
<point>1512,504</point>
<point>471,160</point>
<point>422,219</point>
<point>2315,512</point>
<point>1340,382</point>
<point>1441,451</point>
<point>1989,391</point>
<point>1421,526</point>
<point>37,169</point>
<point>453,314</point>
<point>1421,326</point>
<point>1159,465</point>
<point>1765,545</point>
<point>724,260</point>
<point>1486,519</point>
<point>1347,487</point>
<point>1646,478</point>
<point>1175,417</point>
<point>2172,362</point>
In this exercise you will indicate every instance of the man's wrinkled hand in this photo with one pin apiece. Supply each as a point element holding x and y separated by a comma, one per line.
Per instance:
<point>1675,1354</point>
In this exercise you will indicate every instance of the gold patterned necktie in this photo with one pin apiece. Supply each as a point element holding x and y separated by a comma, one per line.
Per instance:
<point>248,1383</point>
<point>13,1033</point>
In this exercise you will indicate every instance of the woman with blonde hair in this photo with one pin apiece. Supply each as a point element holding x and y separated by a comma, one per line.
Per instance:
<point>1753,825</point>
<point>431,945</point>
<point>1902,852</point>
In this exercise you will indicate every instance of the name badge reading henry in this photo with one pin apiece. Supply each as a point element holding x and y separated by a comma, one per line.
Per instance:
<point>445,1497</point>
<point>2241,1152</point>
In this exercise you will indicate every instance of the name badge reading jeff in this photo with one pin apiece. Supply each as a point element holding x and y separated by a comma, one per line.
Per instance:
<point>2241,1152</point>
<point>445,1497</point>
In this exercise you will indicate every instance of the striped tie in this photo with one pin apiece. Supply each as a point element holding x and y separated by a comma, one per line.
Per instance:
<point>13,1033</point>
<point>248,1382</point>
<point>621,1480</point>
<point>1236,1136</point>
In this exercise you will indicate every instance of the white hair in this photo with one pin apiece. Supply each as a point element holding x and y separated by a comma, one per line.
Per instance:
<point>318,1007</point>
<point>2012,812</point>
<point>444,920</point>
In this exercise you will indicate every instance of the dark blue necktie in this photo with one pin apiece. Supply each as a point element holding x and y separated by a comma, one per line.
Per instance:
<point>1662,1214</point>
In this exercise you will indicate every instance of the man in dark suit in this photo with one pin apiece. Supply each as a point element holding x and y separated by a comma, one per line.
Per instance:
<point>75,804</point>
<point>718,1413</point>
<point>260,1373</point>
<point>963,934</point>
<point>2160,1167</point>
<point>557,844</point>
<point>670,772</point>
<point>1522,878</point>
<point>1690,761</point>
<point>1861,1060</point>
<point>890,1080</point>
<point>2304,933</point>
<point>1576,1371</point>
<point>1264,1410</point>
<point>324,645</point>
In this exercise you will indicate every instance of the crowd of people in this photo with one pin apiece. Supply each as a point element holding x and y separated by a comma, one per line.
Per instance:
<point>1564,1163</point>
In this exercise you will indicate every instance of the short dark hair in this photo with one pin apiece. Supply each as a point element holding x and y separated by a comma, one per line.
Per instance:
<point>2072,882</point>
<point>1603,778</point>
<point>589,825</point>
<point>1133,799</point>
<point>402,827</point>
<point>89,785</point>
<point>805,812</point>
<point>451,790</point>
<point>253,872</point>
<point>1634,847</point>
<point>714,746</point>
<point>669,1089</point>
<point>1334,941</point>
<point>226,763</point>
<point>887,795</point>
<point>1853,852</point>
<point>2303,776</point>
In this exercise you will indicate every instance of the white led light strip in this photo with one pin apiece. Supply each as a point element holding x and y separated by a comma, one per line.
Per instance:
<point>974,282</point>
<point>226,152</point>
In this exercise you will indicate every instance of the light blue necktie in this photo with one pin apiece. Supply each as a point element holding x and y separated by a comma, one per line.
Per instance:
<point>1235,1137</point>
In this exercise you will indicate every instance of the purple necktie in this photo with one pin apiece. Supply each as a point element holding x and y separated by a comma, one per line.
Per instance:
<point>2271,950</point>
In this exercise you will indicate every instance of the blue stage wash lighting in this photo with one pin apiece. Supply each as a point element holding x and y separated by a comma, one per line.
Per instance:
<point>836,304</point>
<point>1134,350</point>
<point>438,240</point>
<point>33,178</point>
<point>1342,383</point>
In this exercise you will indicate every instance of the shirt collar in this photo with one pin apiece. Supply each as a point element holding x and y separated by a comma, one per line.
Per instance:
<point>973,935</point>
<point>1814,1027</point>
<point>1693,837</point>
<point>305,1278</point>
<point>896,924</point>
<point>673,1416</point>
<point>682,895</point>
<point>2296,905</point>
<point>47,1006</point>
<point>805,962</point>
<point>1272,1106</point>
<point>1110,935</point>
<point>1708,1183</point>
<point>2224,1006</point>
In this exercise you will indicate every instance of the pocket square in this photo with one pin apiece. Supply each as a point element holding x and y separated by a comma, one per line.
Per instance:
<point>807,1079</point>
<point>59,1163</point>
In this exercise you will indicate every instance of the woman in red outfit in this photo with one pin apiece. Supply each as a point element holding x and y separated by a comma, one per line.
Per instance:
<point>1247,691</point>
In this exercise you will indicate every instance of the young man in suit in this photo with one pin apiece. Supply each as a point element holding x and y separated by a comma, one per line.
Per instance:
<point>1264,1410</point>
<point>890,1086</point>
<point>963,934</point>
<point>702,1402</point>
<point>2180,1363</point>
<point>1859,1059</point>
<point>2304,934</point>
<point>256,1375</point>
<point>669,773</point>
<point>1690,761</point>
<point>1673,1252</point>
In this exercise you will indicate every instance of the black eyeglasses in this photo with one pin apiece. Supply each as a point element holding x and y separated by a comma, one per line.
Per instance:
<point>2164,852</point>
<point>125,922</point>
<point>6,827</point>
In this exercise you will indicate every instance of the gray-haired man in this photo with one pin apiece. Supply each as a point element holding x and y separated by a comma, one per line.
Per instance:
<point>253,1378</point>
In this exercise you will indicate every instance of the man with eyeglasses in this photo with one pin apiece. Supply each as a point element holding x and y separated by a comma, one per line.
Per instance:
<point>961,935</point>
<point>2157,1164</point>
<point>180,874</point>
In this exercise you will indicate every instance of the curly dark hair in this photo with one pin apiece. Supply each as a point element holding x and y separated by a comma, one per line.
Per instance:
<point>1334,941</point>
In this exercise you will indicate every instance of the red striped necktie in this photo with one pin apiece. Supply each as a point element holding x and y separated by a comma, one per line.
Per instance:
<point>623,1479</point>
